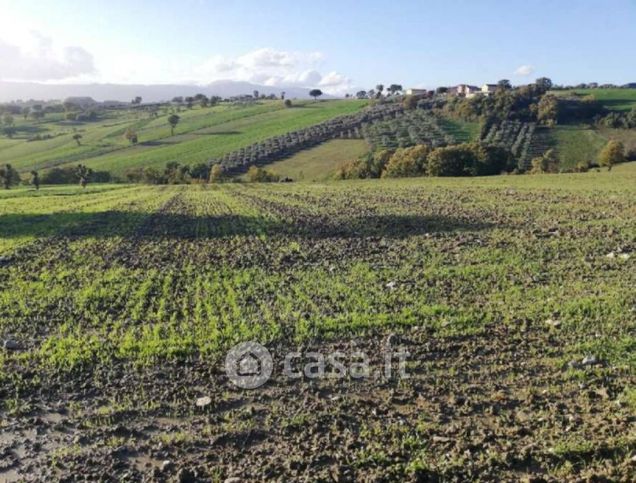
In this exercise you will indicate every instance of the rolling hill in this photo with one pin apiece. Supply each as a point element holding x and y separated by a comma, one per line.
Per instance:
<point>202,133</point>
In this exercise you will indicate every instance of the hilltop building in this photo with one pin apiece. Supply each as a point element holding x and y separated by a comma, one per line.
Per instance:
<point>467,90</point>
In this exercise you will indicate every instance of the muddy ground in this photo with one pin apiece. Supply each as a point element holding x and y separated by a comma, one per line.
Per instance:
<point>488,407</point>
<point>515,306</point>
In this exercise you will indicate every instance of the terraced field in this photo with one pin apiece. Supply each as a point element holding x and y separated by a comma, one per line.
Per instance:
<point>512,295</point>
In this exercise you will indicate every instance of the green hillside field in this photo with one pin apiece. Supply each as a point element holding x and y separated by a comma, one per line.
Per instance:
<point>320,162</point>
<point>613,99</point>
<point>201,134</point>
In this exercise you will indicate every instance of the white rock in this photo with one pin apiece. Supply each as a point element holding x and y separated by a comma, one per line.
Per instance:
<point>589,361</point>
<point>553,323</point>
<point>204,401</point>
<point>610,255</point>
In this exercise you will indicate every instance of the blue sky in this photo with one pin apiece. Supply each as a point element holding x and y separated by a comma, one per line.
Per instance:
<point>338,45</point>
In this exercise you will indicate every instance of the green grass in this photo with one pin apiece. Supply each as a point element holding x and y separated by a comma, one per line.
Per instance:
<point>201,134</point>
<point>614,99</point>
<point>463,131</point>
<point>577,144</point>
<point>320,162</point>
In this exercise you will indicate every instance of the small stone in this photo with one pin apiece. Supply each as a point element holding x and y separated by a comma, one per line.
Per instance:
<point>553,323</point>
<point>391,285</point>
<point>11,345</point>
<point>166,465</point>
<point>204,401</point>
<point>232,479</point>
<point>589,361</point>
<point>610,255</point>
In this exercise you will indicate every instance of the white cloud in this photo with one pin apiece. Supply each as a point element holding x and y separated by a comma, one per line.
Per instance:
<point>333,79</point>
<point>39,59</point>
<point>275,68</point>
<point>33,56</point>
<point>524,70</point>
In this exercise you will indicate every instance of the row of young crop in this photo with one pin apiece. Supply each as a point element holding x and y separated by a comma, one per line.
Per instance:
<point>279,147</point>
<point>411,128</point>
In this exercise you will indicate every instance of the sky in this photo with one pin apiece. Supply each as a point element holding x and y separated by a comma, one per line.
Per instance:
<point>338,46</point>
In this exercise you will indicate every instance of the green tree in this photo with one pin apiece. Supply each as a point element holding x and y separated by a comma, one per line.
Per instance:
<point>395,88</point>
<point>216,174</point>
<point>173,120</point>
<point>77,137</point>
<point>131,136</point>
<point>315,93</point>
<point>450,160</point>
<point>9,131</point>
<point>83,173</point>
<point>9,176</point>
<point>200,171</point>
<point>175,173</point>
<point>613,153</point>
<point>407,162</point>
<point>370,165</point>
<point>260,175</point>
<point>548,110</point>
<point>546,163</point>
<point>544,84</point>
<point>35,179</point>
<point>379,89</point>
<point>37,114</point>
<point>7,119</point>
<point>504,85</point>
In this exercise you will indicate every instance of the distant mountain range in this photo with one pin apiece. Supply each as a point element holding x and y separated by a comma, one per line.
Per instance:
<point>12,91</point>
